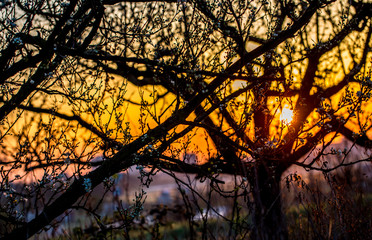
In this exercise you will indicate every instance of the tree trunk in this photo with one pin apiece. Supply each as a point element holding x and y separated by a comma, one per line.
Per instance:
<point>268,216</point>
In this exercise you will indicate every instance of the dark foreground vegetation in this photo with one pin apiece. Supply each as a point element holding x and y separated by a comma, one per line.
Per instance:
<point>329,206</point>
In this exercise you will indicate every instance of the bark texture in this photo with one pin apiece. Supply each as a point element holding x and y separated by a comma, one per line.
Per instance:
<point>269,218</point>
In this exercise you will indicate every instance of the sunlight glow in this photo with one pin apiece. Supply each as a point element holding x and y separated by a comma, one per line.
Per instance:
<point>286,115</point>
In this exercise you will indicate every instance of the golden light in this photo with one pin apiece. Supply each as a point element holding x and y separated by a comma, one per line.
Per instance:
<point>286,115</point>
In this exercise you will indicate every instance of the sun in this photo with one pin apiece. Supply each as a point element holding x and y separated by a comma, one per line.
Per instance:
<point>286,115</point>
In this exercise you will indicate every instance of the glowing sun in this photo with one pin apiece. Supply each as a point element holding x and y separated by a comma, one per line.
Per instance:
<point>286,115</point>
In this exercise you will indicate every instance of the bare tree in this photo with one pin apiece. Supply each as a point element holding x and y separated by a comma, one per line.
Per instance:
<point>68,69</point>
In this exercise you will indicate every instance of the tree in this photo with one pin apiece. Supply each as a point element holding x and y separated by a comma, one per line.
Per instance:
<point>227,67</point>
